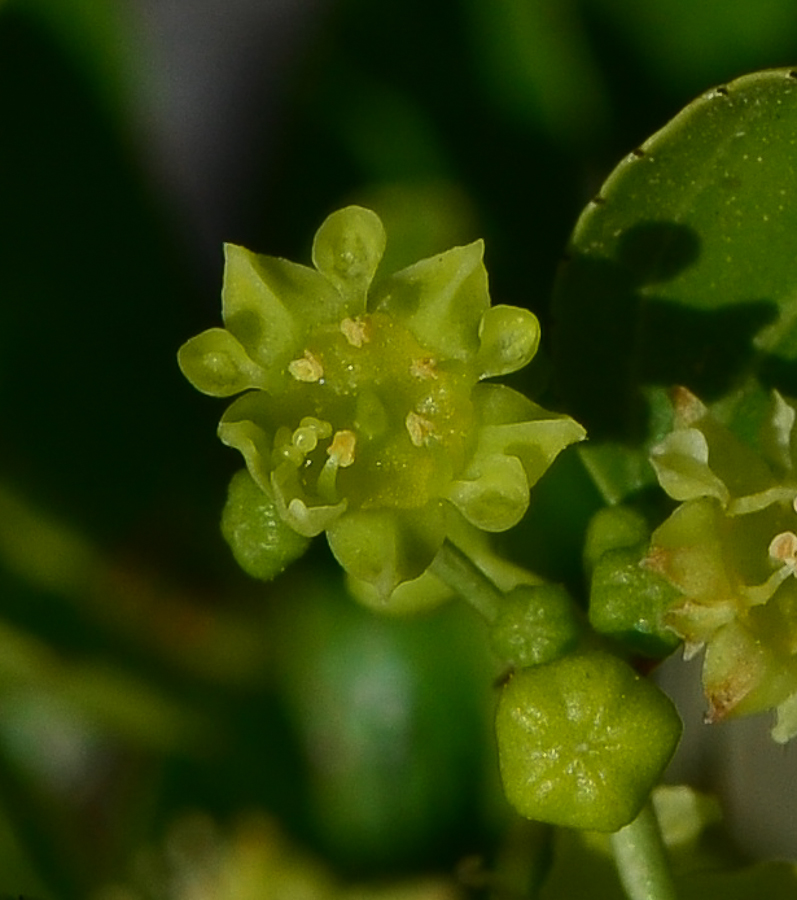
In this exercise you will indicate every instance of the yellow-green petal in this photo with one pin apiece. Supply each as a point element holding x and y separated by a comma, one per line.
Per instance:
<point>495,499</point>
<point>514,426</point>
<point>216,364</point>
<point>272,304</point>
<point>347,249</point>
<point>441,300</point>
<point>509,339</point>
<point>386,547</point>
<point>681,462</point>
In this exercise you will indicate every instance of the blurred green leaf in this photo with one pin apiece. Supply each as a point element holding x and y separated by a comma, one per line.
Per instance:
<point>99,36</point>
<point>394,718</point>
<point>685,45</point>
<point>535,62</point>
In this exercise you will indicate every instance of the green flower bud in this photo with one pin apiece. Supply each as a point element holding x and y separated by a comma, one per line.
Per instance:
<point>730,550</point>
<point>261,542</point>
<point>364,414</point>
<point>583,740</point>
<point>613,528</point>
<point>536,624</point>
<point>629,603</point>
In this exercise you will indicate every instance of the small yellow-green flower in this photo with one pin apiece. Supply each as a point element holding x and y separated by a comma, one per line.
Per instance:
<point>730,549</point>
<point>363,411</point>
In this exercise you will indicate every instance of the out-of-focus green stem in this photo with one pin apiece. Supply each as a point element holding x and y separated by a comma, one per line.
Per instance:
<point>641,859</point>
<point>461,574</point>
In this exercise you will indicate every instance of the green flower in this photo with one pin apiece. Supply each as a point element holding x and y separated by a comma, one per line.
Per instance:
<point>362,410</point>
<point>730,549</point>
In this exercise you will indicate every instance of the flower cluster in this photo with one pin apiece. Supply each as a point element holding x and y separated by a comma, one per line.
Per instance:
<point>730,548</point>
<point>363,412</point>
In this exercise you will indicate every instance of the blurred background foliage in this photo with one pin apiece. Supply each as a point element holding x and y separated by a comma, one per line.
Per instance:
<point>159,713</point>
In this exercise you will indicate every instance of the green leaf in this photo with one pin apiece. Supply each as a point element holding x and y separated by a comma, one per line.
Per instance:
<point>99,37</point>
<point>682,270</point>
<point>535,62</point>
<point>393,716</point>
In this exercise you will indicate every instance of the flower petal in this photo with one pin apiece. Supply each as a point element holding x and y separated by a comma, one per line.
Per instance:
<point>681,464</point>
<point>216,364</point>
<point>688,550</point>
<point>785,727</point>
<point>271,304</point>
<point>703,458</point>
<point>242,427</point>
<point>347,249</point>
<point>441,300</point>
<point>386,547</point>
<point>509,339</point>
<point>517,442</point>
<point>497,498</point>
<point>514,426</point>
<point>778,435</point>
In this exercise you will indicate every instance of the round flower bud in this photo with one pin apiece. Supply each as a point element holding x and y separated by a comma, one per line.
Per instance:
<point>629,603</point>
<point>583,740</point>
<point>262,544</point>
<point>612,528</point>
<point>536,624</point>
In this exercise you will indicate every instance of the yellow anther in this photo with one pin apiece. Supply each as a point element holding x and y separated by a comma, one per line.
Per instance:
<point>307,368</point>
<point>425,368</point>
<point>341,450</point>
<point>419,428</point>
<point>356,331</point>
<point>784,549</point>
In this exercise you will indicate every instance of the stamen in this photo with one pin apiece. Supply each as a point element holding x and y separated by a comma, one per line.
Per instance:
<point>286,449</point>
<point>419,428</point>
<point>341,456</point>
<point>784,549</point>
<point>341,450</point>
<point>305,439</point>
<point>424,368</point>
<point>307,368</point>
<point>356,331</point>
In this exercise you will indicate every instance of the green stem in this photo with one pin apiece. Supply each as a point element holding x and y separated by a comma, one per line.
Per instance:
<point>641,858</point>
<point>462,575</point>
